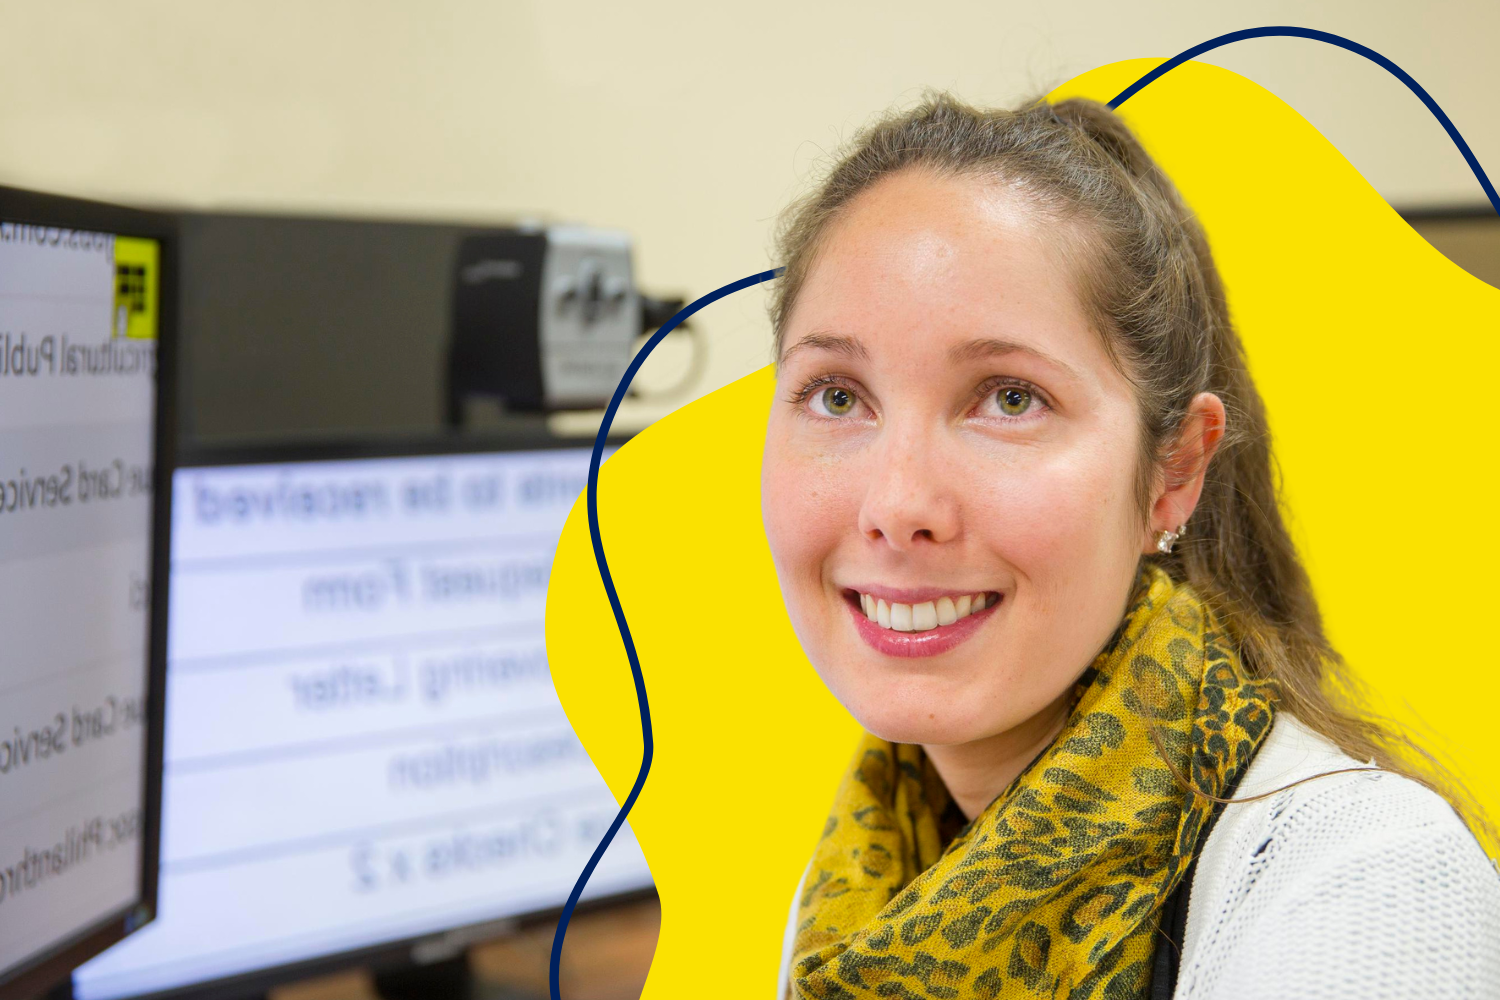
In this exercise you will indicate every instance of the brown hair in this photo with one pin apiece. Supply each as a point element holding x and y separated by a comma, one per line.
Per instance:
<point>1148,280</point>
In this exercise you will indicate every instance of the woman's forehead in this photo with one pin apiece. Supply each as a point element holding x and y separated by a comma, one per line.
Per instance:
<point>965,204</point>
<point>930,263</point>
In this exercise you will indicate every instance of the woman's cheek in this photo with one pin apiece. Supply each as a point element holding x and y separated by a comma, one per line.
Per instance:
<point>1039,515</point>
<point>806,509</point>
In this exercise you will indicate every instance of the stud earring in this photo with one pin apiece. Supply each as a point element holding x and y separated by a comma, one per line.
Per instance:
<point>1167,538</point>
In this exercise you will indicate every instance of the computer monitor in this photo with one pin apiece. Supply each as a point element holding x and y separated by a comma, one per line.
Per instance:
<point>365,753</point>
<point>85,350</point>
<point>1468,235</point>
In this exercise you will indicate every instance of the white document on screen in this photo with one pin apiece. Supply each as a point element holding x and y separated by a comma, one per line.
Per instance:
<point>76,404</point>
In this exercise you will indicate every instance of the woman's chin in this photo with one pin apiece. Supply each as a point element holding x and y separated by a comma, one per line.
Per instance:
<point>904,724</point>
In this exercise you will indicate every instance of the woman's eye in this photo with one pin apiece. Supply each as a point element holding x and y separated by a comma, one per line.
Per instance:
<point>836,400</point>
<point>1013,400</point>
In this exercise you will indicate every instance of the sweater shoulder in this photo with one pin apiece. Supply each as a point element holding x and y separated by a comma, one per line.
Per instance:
<point>1304,790</point>
<point>1344,880</point>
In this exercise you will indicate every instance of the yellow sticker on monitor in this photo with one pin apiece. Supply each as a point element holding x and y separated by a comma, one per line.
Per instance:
<point>137,280</point>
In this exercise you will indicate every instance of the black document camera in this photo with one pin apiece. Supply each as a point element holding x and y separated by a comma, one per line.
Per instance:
<point>545,319</point>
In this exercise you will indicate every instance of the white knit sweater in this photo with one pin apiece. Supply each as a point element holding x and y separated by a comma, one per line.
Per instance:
<point>1353,885</point>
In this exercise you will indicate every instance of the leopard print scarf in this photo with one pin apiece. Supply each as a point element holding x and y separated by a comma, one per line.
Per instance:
<point>1054,890</point>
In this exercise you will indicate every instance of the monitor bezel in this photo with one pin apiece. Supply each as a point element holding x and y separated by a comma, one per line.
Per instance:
<point>525,435</point>
<point>53,966</point>
<point>1452,212</point>
<point>412,951</point>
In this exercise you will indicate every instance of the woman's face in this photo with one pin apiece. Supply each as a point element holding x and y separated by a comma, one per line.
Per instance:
<point>947,424</point>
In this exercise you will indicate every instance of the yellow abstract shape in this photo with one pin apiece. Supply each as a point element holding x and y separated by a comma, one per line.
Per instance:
<point>1333,294</point>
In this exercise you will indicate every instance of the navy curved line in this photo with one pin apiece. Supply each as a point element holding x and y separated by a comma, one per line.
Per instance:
<point>1343,43</point>
<point>755,279</point>
<point>614,602</point>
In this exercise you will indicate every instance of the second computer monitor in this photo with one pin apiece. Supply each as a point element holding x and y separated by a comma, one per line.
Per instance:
<point>364,745</point>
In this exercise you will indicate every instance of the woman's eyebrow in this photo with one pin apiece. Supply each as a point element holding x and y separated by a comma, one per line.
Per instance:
<point>839,344</point>
<point>986,347</point>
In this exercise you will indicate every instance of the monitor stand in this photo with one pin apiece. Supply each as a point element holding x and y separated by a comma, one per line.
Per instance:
<point>447,980</point>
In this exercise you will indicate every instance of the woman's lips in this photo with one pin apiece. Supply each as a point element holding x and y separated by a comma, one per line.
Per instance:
<point>930,642</point>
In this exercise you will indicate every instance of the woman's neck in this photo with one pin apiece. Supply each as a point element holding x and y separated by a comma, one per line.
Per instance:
<point>976,773</point>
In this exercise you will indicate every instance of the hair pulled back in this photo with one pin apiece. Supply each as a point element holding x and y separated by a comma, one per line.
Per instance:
<point>1148,281</point>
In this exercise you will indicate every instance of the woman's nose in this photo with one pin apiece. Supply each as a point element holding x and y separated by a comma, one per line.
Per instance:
<point>911,496</point>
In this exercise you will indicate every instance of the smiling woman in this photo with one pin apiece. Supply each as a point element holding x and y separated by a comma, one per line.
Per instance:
<point>1007,386</point>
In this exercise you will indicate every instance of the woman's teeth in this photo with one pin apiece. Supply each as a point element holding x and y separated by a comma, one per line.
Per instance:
<point>921,617</point>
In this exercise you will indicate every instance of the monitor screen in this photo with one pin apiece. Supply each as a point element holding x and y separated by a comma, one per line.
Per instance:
<point>79,318</point>
<point>364,745</point>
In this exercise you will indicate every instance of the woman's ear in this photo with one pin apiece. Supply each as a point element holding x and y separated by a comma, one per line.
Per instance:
<point>1186,463</point>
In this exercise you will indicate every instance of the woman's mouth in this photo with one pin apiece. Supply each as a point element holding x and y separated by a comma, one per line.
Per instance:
<point>926,615</point>
<point>924,628</point>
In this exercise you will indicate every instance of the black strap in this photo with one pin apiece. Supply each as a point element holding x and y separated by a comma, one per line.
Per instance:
<point>1172,925</point>
<point>1171,930</point>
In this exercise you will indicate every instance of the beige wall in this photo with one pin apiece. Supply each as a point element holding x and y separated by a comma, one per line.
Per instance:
<point>689,124</point>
